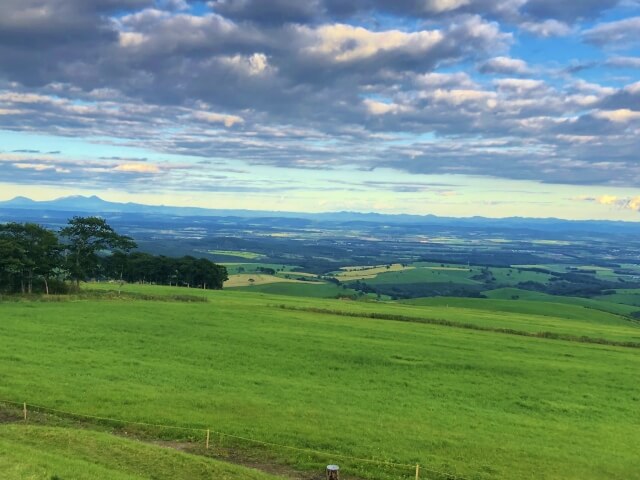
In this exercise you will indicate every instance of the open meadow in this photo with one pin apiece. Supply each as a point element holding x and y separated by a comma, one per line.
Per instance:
<point>324,375</point>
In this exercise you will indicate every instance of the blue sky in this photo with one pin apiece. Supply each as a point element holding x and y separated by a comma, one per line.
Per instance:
<point>451,107</point>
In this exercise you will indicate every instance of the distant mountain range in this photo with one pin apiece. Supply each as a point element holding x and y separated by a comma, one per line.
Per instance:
<point>95,205</point>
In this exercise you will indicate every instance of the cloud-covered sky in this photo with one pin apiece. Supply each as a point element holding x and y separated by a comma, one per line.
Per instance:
<point>453,107</point>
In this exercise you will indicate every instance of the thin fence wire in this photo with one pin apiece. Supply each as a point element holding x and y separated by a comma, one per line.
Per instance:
<point>447,475</point>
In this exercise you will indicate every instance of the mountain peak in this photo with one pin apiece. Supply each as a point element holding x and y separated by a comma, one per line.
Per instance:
<point>19,200</point>
<point>78,197</point>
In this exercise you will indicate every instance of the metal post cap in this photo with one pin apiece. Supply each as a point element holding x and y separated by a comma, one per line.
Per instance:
<point>333,468</point>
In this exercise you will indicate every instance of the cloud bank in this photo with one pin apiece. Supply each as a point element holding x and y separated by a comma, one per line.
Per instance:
<point>426,87</point>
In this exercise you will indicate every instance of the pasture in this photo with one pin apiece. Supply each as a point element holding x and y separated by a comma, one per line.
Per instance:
<point>35,452</point>
<point>477,404</point>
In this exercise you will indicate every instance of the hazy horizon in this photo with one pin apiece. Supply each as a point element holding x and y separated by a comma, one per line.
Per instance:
<point>319,212</point>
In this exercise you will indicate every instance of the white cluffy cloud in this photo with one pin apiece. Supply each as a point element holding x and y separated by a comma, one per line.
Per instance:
<point>210,117</point>
<point>622,115</point>
<point>375,107</point>
<point>440,6</point>
<point>252,65</point>
<point>137,168</point>
<point>505,65</point>
<point>547,28</point>
<point>347,43</point>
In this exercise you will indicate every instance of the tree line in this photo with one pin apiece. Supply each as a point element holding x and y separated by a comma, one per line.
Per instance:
<point>35,259</point>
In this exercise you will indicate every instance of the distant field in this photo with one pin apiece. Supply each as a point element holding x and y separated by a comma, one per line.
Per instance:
<point>550,242</point>
<point>368,272</point>
<point>242,267</point>
<point>550,267</point>
<point>602,273</point>
<point>424,275</point>
<point>423,272</point>
<point>237,253</point>
<point>456,275</point>
<point>482,405</point>
<point>303,289</point>
<point>292,274</point>
<point>254,279</point>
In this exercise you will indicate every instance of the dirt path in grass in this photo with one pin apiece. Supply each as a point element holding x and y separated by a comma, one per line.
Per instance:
<point>238,457</point>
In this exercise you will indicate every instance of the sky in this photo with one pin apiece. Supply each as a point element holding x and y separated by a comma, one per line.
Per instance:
<point>447,107</point>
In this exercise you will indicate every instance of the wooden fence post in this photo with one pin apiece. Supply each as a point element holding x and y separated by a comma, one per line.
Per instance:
<point>24,410</point>
<point>207,445</point>
<point>417,471</point>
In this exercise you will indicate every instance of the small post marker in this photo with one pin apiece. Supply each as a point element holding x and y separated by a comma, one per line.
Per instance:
<point>417,471</point>
<point>24,410</point>
<point>333,472</point>
<point>207,444</point>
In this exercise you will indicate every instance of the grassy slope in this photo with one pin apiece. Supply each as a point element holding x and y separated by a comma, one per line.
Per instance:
<point>38,453</point>
<point>479,404</point>
<point>593,323</point>
<point>597,304</point>
<point>557,310</point>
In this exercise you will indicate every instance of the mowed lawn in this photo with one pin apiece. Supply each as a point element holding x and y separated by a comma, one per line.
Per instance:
<point>477,404</point>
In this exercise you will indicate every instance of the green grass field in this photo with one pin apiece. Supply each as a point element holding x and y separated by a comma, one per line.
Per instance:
<point>481,405</point>
<point>557,310</point>
<point>42,453</point>
<point>623,296</point>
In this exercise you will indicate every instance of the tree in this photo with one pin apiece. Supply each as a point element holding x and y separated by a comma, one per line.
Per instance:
<point>11,254</point>
<point>86,237</point>
<point>30,252</point>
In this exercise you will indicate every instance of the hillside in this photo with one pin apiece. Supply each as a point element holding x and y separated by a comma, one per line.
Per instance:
<point>327,378</point>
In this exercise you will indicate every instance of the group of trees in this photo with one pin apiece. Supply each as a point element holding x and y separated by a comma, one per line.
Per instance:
<point>34,258</point>
<point>141,267</point>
